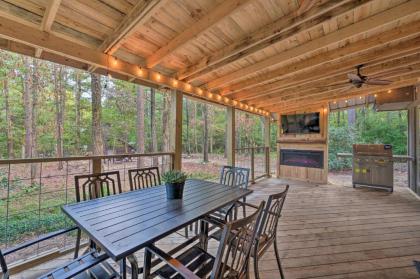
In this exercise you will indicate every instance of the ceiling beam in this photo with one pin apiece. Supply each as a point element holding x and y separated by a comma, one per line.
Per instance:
<point>17,32</point>
<point>351,49</point>
<point>372,22</point>
<point>383,71</point>
<point>282,29</point>
<point>337,94</point>
<point>213,17</point>
<point>48,20</point>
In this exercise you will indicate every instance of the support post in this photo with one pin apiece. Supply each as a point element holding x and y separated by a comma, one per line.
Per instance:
<point>230,138</point>
<point>267,145</point>
<point>176,129</point>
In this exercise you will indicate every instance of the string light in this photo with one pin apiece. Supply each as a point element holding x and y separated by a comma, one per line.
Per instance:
<point>140,71</point>
<point>115,61</point>
<point>175,82</point>
<point>157,76</point>
<point>188,86</point>
<point>389,91</point>
<point>199,91</point>
<point>226,100</point>
<point>246,106</point>
<point>234,102</point>
<point>376,95</point>
<point>218,97</point>
<point>210,95</point>
<point>241,105</point>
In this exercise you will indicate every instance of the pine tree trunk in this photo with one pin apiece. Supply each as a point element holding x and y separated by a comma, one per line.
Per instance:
<point>140,124</point>
<point>98,145</point>
<point>34,137</point>
<point>351,117</point>
<point>152,124</point>
<point>9,127</point>
<point>60,99</point>
<point>27,103</point>
<point>78,96</point>
<point>206,135</point>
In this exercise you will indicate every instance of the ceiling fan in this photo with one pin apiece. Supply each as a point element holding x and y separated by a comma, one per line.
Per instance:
<point>358,79</point>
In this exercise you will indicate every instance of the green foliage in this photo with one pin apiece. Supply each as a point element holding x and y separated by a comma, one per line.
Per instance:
<point>174,176</point>
<point>368,127</point>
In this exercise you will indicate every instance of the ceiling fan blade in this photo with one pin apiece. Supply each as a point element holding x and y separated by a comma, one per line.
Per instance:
<point>354,77</point>
<point>378,82</point>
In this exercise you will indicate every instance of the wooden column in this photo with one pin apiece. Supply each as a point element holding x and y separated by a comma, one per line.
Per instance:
<point>176,129</point>
<point>267,145</point>
<point>413,143</point>
<point>230,138</point>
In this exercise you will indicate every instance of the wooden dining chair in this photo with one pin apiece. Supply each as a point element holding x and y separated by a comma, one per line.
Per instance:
<point>144,178</point>
<point>267,231</point>
<point>231,260</point>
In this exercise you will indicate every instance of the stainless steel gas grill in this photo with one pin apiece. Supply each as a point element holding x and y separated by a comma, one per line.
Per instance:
<point>373,166</point>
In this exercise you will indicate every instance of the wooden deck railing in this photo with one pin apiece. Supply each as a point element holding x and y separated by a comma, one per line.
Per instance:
<point>256,158</point>
<point>32,191</point>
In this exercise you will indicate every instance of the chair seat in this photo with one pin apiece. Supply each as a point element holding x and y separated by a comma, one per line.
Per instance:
<point>87,266</point>
<point>196,260</point>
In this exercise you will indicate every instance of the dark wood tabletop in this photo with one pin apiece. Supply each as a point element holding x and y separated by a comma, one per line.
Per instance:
<point>122,224</point>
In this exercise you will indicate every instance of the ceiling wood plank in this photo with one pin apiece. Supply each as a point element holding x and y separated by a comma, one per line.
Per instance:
<point>384,71</point>
<point>363,45</point>
<point>360,27</point>
<point>337,94</point>
<point>331,68</point>
<point>280,30</point>
<point>217,14</point>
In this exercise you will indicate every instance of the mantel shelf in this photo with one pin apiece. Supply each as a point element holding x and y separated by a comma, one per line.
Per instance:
<point>304,141</point>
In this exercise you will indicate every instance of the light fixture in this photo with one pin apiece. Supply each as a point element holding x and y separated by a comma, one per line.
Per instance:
<point>175,82</point>
<point>389,91</point>
<point>360,97</point>
<point>234,102</point>
<point>346,101</point>
<point>241,105</point>
<point>157,76</point>
<point>210,95</point>
<point>218,97</point>
<point>140,71</point>
<point>376,95</point>
<point>246,106</point>
<point>188,86</point>
<point>226,100</point>
<point>115,61</point>
<point>199,91</point>
<point>335,102</point>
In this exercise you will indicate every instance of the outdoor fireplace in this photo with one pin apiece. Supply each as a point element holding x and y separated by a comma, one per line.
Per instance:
<point>302,158</point>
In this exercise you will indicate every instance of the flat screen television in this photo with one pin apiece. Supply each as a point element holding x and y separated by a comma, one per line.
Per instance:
<point>307,123</point>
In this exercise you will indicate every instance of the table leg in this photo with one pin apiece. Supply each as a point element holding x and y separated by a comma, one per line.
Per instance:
<point>147,263</point>
<point>123,269</point>
<point>204,234</point>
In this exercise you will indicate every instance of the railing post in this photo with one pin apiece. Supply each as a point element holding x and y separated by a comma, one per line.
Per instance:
<point>230,139</point>
<point>176,129</point>
<point>252,165</point>
<point>267,145</point>
<point>96,165</point>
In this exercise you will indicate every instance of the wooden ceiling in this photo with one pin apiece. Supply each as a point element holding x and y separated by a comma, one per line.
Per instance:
<point>257,55</point>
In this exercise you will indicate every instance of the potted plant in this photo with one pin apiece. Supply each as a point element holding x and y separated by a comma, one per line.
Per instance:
<point>174,182</point>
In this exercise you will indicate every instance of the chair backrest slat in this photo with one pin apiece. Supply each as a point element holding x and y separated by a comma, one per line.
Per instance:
<point>91,186</point>
<point>234,176</point>
<point>271,214</point>
<point>144,178</point>
<point>235,246</point>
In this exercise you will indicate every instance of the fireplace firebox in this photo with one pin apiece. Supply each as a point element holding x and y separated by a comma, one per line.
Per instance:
<point>302,158</point>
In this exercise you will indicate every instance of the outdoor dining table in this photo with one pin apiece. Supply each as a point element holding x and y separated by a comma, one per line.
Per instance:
<point>125,223</point>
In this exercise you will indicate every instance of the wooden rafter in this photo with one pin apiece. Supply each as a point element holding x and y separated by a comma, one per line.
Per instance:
<point>218,13</point>
<point>138,15</point>
<point>47,20</point>
<point>280,30</point>
<point>372,22</point>
<point>351,49</point>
